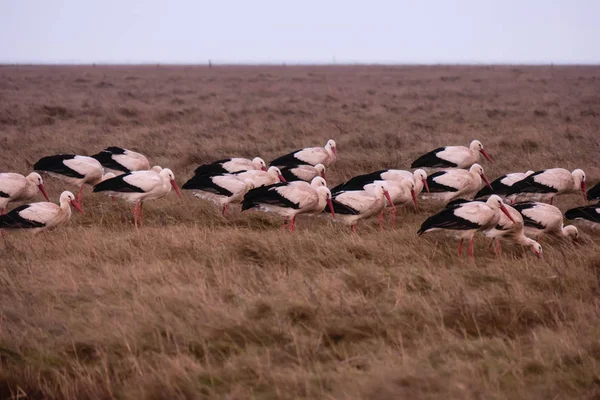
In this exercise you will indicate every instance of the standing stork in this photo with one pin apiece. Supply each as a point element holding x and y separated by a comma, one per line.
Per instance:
<point>451,184</point>
<point>540,218</point>
<point>419,177</point>
<point>311,155</point>
<point>502,185</point>
<point>465,218</point>
<point>118,160</point>
<point>354,205</point>
<point>290,199</point>
<point>230,165</point>
<point>42,216</point>
<point>222,190</point>
<point>549,183</point>
<point>588,215</point>
<point>74,169</point>
<point>452,156</point>
<point>139,186</point>
<point>16,187</point>
<point>302,172</point>
<point>513,230</point>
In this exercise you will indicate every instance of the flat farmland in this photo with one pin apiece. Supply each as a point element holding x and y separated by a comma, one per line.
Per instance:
<point>195,305</point>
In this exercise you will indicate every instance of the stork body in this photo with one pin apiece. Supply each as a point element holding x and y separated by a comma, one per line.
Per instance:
<point>419,177</point>
<point>118,160</point>
<point>550,183</point>
<point>451,184</point>
<point>502,185</point>
<point>302,172</point>
<point>222,190</point>
<point>230,165</point>
<point>452,156</point>
<point>311,155</point>
<point>543,218</point>
<point>262,178</point>
<point>16,187</point>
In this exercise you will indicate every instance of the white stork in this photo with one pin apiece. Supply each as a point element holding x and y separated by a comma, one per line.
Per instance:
<point>419,177</point>
<point>354,205</point>
<point>465,218</point>
<point>451,184</point>
<point>588,215</point>
<point>502,185</point>
<point>118,160</point>
<point>513,230</point>
<point>543,218</point>
<point>302,172</point>
<point>74,169</point>
<point>262,178</point>
<point>311,155</point>
<point>452,156</point>
<point>548,183</point>
<point>401,193</point>
<point>290,199</point>
<point>139,186</point>
<point>16,187</point>
<point>222,190</point>
<point>229,165</point>
<point>38,217</point>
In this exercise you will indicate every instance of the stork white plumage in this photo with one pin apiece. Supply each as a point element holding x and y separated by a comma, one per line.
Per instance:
<point>503,184</point>
<point>262,178</point>
<point>462,220</point>
<point>354,205</point>
<point>118,160</point>
<point>16,187</point>
<point>42,216</point>
<point>290,199</point>
<point>419,177</point>
<point>452,157</point>
<point>138,187</point>
<point>74,169</point>
<point>302,172</point>
<point>311,155</point>
<point>222,190</point>
<point>513,230</point>
<point>451,184</point>
<point>543,218</point>
<point>549,183</point>
<point>230,165</point>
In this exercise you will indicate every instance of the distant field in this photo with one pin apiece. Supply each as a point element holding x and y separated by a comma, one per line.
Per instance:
<point>198,306</point>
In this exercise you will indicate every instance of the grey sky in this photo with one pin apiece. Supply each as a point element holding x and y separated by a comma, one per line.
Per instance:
<point>254,31</point>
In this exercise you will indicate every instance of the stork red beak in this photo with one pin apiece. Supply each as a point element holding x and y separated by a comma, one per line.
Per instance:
<point>486,181</point>
<point>537,253</point>
<point>505,211</point>
<point>486,155</point>
<point>323,174</point>
<point>263,168</point>
<point>426,185</point>
<point>334,151</point>
<point>43,190</point>
<point>414,197</point>
<point>77,206</point>
<point>282,179</point>
<point>389,199</point>
<point>583,191</point>
<point>330,204</point>
<point>175,188</point>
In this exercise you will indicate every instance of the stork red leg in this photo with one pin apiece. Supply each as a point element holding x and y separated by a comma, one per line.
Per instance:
<point>393,216</point>
<point>79,196</point>
<point>141,214</point>
<point>293,224</point>
<point>497,249</point>
<point>135,215</point>
<point>471,247</point>
<point>353,228</point>
<point>225,209</point>
<point>460,248</point>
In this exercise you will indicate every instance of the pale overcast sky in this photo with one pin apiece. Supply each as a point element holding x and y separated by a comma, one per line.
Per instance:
<point>306,31</point>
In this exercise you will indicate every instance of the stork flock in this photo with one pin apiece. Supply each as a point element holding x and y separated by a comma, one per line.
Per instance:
<point>516,207</point>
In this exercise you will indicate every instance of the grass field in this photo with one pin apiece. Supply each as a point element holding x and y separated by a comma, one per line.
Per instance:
<point>198,306</point>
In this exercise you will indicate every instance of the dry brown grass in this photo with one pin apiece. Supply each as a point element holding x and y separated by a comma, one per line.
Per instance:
<point>197,306</point>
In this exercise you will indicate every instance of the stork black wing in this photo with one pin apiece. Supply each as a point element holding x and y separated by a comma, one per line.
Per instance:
<point>358,182</point>
<point>529,185</point>
<point>267,195</point>
<point>435,187</point>
<point>590,213</point>
<point>206,184</point>
<point>214,168</point>
<point>447,219</point>
<point>56,164</point>
<point>105,158</point>
<point>14,220</point>
<point>527,221</point>
<point>594,193</point>
<point>431,160</point>
<point>289,159</point>
<point>117,184</point>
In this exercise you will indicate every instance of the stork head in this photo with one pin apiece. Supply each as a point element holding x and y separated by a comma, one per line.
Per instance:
<point>331,146</point>
<point>168,174</point>
<point>477,146</point>
<point>318,182</point>
<point>320,170</point>
<point>260,163</point>
<point>37,180</point>
<point>421,175</point>
<point>536,248</point>
<point>579,178</point>
<point>382,188</point>
<point>478,169</point>
<point>156,168</point>
<point>68,198</point>
<point>276,172</point>
<point>495,202</point>
<point>571,231</point>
